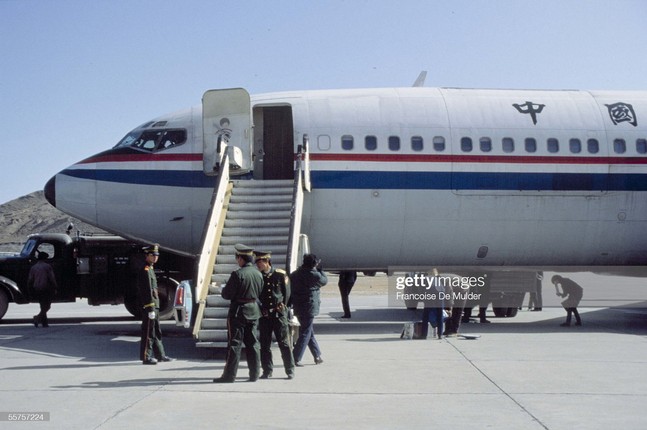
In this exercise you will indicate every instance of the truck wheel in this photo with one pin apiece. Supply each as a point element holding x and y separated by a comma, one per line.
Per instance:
<point>133,307</point>
<point>500,312</point>
<point>166,288</point>
<point>4,302</point>
<point>512,312</point>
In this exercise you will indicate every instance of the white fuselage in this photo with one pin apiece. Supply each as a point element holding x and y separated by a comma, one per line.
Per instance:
<point>409,176</point>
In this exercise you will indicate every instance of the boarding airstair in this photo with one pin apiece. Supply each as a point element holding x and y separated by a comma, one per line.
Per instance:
<point>263,214</point>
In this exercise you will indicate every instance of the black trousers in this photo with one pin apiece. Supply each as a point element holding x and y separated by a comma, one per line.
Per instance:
<point>278,326</point>
<point>151,339</point>
<point>45,301</point>
<point>242,331</point>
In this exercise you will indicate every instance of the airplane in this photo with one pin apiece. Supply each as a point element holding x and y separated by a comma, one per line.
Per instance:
<point>407,176</point>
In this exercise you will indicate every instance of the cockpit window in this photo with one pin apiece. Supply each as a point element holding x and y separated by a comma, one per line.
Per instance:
<point>153,140</point>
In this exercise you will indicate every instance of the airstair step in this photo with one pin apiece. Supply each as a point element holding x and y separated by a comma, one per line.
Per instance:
<point>275,248</point>
<point>216,300</point>
<point>218,279</point>
<point>214,323</point>
<point>260,198</point>
<point>211,344</point>
<point>269,183</point>
<point>274,191</point>
<point>225,268</point>
<point>216,312</point>
<point>255,232</point>
<point>212,335</point>
<point>273,214</point>
<point>260,206</point>
<point>257,222</point>
<point>254,242</point>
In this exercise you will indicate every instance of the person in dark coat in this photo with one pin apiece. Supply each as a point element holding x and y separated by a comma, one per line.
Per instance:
<point>306,282</point>
<point>274,320</point>
<point>433,310</point>
<point>243,290</point>
<point>41,282</point>
<point>151,347</point>
<point>347,279</point>
<point>573,294</point>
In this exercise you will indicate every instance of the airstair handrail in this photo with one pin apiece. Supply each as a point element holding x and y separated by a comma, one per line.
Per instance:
<point>303,157</point>
<point>292,257</point>
<point>211,231</point>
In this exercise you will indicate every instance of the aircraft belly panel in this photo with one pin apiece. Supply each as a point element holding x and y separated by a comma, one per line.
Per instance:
<point>353,228</point>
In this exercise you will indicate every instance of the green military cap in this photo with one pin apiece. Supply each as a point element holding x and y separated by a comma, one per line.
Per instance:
<point>243,249</point>
<point>152,249</point>
<point>262,255</point>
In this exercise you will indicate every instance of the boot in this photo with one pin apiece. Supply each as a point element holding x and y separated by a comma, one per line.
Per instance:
<point>578,320</point>
<point>482,315</point>
<point>567,323</point>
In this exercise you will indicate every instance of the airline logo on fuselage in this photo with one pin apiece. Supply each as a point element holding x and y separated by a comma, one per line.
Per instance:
<point>622,112</point>
<point>530,108</point>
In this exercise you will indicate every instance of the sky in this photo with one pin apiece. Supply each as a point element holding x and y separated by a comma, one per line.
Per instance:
<point>77,75</point>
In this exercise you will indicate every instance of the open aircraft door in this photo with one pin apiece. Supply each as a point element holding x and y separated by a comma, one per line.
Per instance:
<point>227,123</point>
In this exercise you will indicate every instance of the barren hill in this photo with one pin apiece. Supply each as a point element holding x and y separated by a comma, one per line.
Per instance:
<point>32,214</point>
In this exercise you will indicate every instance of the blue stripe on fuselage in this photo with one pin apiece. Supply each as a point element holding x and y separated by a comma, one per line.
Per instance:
<point>165,178</point>
<point>335,179</point>
<point>478,181</point>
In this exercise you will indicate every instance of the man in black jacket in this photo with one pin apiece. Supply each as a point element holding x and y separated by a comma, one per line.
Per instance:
<point>41,282</point>
<point>274,320</point>
<point>306,282</point>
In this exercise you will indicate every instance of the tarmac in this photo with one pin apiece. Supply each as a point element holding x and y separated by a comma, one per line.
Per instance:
<point>525,372</point>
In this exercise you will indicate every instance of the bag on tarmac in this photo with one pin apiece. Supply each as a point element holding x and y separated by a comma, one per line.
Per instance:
<point>417,330</point>
<point>407,331</point>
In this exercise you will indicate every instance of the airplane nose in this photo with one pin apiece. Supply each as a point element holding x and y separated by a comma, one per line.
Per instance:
<point>50,191</point>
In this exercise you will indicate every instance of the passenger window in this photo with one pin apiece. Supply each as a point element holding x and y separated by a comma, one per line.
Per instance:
<point>619,146</point>
<point>466,144</point>
<point>641,146</point>
<point>417,143</point>
<point>575,146</point>
<point>552,145</point>
<point>370,143</point>
<point>508,144</point>
<point>530,144</point>
<point>439,143</point>
<point>347,142</point>
<point>323,142</point>
<point>485,144</point>
<point>593,146</point>
<point>394,143</point>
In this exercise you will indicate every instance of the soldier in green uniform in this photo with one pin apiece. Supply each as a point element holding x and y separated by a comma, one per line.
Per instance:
<point>151,350</point>
<point>274,319</point>
<point>242,289</point>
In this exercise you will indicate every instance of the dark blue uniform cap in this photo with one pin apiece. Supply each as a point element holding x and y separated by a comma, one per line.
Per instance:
<point>262,255</point>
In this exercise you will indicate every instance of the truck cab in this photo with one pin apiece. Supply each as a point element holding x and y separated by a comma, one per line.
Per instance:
<point>101,267</point>
<point>14,269</point>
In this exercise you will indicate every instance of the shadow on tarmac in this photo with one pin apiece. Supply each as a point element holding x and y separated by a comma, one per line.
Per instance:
<point>631,320</point>
<point>114,341</point>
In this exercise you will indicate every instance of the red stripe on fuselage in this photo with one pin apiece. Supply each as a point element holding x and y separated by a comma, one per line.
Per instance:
<point>118,158</point>
<point>523,159</point>
<point>390,158</point>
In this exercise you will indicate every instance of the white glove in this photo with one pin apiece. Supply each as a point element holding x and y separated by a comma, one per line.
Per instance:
<point>151,315</point>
